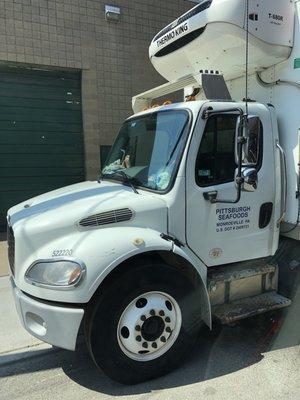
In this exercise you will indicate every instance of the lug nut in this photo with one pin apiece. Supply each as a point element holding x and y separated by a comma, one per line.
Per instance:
<point>139,338</point>
<point>143,318</point>
<point>168,319</point>
<point>168,329</point>
<point>152,312</point>
<point>145,345</point>
<point>138,328</point>
<point>154,345</point>
<point>161,313</point>
<point>163,339</point>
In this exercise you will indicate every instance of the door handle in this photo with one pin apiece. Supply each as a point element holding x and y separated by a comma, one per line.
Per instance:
<point>210,196</point>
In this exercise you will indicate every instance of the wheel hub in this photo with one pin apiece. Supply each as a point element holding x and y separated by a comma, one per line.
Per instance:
<point>149,326</point>
<point>152,328</point>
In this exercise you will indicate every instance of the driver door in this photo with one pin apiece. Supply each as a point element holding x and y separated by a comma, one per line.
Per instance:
<point>225,233</point>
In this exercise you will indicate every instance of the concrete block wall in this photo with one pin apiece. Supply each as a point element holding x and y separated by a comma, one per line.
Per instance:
<point>113,57</point>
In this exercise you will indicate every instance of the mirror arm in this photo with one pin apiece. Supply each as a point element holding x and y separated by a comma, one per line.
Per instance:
<point>241,140</point>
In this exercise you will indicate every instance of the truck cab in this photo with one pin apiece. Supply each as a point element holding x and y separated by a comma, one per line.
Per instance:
<point>192,148</point>
<point>179,230</point>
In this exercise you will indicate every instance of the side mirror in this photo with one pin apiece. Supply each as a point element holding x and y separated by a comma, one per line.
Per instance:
<point>250,178</point>
<point>251,145</point>
<point>251,148</point>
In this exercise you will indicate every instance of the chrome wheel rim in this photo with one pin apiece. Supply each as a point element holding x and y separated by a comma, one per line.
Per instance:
<point>149,326</point>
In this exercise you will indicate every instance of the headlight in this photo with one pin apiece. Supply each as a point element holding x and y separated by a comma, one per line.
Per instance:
<point>56,274</point>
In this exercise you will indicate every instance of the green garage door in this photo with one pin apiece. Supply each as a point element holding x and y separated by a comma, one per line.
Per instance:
<point>41,140</point>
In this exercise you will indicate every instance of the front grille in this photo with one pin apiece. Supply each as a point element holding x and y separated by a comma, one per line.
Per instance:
<point>110,217</point>
<point>196,10</point>
<point>11,249</point>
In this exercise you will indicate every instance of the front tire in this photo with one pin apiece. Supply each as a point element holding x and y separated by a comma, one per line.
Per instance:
<point>145,323</point>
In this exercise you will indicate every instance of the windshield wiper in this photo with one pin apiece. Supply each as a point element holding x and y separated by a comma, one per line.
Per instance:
<point>127,179</point>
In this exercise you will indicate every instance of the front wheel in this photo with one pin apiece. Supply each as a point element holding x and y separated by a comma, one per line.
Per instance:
<point>145,323</point>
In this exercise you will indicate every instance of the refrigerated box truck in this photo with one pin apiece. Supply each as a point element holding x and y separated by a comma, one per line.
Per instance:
<point>183,224</point>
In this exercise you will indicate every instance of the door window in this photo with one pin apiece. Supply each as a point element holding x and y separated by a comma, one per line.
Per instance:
<point>216,157</point>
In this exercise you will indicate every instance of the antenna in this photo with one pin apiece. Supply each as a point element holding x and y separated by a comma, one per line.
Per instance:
<point>247,54</point>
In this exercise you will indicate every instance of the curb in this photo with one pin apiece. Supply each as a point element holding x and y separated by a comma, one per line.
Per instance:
<point>25,353</point>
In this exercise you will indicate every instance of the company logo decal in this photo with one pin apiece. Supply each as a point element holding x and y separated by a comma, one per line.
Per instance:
<point>173,34</point>
<point>233,219</point>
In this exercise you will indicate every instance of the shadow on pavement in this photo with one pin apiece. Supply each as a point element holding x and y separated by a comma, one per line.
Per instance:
<point>221,353</point>
<point>232,349</point>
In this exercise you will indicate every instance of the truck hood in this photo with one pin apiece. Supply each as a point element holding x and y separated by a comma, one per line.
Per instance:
<point>66,206</point>
<point>47,227</point>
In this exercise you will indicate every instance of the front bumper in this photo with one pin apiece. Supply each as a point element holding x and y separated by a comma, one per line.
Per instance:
<point>58,326</point>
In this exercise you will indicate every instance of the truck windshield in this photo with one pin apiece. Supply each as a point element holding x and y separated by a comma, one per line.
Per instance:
<point>148,149</point>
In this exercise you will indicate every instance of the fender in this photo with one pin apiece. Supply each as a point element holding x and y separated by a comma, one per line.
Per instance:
<point>153,242</point>
<point>103,250</point>
<point>201,271</point>
<point>139,241</point>
<point>100,250</point>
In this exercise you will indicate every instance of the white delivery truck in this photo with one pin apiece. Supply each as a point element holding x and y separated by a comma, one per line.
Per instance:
<point>184,222</point>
